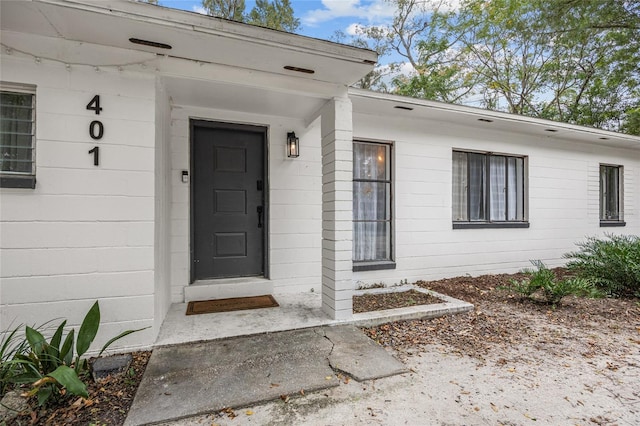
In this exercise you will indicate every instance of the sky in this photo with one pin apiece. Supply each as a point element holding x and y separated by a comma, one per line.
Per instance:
<point>318,18</point>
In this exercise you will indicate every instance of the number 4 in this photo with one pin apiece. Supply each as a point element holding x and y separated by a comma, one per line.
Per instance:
<point>94,105</point>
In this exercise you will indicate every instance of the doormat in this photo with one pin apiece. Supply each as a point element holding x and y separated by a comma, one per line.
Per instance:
<point>233,304</point>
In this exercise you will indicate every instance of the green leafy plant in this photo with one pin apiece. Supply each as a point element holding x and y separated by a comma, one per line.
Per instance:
<point>542,282</point>
<point>57,367</point>
<point>612,263</point>
<point>10,346</point>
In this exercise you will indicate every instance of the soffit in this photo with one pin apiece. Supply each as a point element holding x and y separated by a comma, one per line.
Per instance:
<point>239,98</point>
<point>192,37</point>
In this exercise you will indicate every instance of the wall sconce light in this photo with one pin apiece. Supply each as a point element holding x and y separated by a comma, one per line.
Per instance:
<point>293,145</point>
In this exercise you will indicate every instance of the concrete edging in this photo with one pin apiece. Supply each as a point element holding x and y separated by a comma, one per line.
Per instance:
<point>448,307</point>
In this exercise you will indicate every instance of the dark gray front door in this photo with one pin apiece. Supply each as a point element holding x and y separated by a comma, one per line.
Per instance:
<point>227,200</point>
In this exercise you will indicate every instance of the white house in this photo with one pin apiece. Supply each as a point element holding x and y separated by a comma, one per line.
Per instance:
<point>145,162</point>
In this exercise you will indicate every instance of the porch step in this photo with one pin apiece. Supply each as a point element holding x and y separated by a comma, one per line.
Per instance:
<point>227,287</point>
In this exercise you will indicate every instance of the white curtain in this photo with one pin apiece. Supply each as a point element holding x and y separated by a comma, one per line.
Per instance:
<point>371,202</point>
<point>515,197</point>
<point>460,186</point>
<point>497,180</point>
<point>477,181</point>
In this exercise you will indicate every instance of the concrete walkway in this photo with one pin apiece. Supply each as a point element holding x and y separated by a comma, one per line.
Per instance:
<point>191,379</point>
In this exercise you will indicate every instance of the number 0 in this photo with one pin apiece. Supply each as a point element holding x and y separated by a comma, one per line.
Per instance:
<point>92,130</point>
<point>94,104</point>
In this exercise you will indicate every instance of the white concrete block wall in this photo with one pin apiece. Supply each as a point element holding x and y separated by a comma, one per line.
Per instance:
<point>337,208</point>
<point>162,288</point>
<point>85,233</point>
<point>563,188</point>
<point>295,200</point>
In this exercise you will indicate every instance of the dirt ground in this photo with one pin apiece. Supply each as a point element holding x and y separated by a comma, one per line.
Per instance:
<point>509,362</point>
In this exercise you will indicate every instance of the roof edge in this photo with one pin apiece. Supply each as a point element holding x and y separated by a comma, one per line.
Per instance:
<point>485,113</point>
<point>218,26</point>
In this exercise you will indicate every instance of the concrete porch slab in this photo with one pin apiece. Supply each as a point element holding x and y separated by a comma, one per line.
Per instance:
<point>296,311</point>
<point>186,380</point>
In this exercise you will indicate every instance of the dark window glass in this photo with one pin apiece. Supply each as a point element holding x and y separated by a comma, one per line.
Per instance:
<point>610,188</point>
<point>16,133</point>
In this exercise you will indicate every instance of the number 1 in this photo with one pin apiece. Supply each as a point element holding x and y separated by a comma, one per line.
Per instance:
<point>96,155</point>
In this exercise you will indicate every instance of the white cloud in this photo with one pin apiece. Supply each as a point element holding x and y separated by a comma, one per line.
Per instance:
<point>354,29</point>
<point>199,9</point>
<point>370,10</point>
<point>406,68</point>
<point>442,5</point>
<point>357,29</point>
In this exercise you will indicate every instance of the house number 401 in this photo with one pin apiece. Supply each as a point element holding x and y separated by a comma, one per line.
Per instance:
<point>96,128</point>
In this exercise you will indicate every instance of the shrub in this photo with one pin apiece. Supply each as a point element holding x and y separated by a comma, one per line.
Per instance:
<point>613,263</point>
<point>51,367</point>
<point>542,282</point>
<point>10,346</point>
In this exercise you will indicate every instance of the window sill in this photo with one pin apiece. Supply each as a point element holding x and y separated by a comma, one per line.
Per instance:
<point>28,182</point>
<point>373,266</point>
<point>607,224</point>
<point>485,225</point>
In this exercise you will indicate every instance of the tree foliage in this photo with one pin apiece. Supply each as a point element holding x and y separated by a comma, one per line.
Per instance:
<point>276,14</point>
<point>227,9</point>
<point>576,61</point>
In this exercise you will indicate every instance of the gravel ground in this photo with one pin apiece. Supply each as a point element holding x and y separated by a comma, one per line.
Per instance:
<point>509,362</point>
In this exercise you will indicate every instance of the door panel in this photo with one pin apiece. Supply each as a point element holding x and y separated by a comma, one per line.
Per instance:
<point>228,201</point>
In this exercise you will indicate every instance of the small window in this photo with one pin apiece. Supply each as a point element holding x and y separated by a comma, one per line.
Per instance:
<point>611,195</point>
<point>488,190</point>
<point>17,137</point>
<point>372,203</point>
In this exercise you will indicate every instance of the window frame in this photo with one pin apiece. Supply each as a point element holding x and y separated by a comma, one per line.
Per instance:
<point>489,223</point>
<point>611,222</point>
<point>21,179</point>
<point>372,265</point>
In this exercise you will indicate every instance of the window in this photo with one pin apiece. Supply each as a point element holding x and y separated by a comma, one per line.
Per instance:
<point>17,137</point>
<point>611,195</point>
<point>488,190</point>
<point>372,205</point>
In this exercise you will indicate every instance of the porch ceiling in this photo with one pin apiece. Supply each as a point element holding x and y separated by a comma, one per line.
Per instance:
<point>245,99</point>
<point>373,103</point>
<point>191,36</point>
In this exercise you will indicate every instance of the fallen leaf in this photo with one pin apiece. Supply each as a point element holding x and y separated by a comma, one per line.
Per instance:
<point>229,412</point>
<point>285,398</point>
<point>328,378</point>
<point>249,413</point>
<point>493,407</point>
<point>274,385</point>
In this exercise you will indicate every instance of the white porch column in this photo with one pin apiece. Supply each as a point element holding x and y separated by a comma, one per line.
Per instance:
<point>337,208</point>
